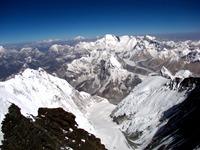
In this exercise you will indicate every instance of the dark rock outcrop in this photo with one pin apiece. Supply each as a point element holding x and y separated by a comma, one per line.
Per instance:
<point>52,129</point>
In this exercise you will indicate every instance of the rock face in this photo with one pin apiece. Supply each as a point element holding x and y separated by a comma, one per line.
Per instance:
<point>53,129</point>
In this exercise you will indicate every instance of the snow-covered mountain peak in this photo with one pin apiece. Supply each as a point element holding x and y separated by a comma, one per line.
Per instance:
<point>79,38</point>
<point>2,49</point>
<point>26,49</point>
<point>149,38</point>
<point>55,48</point>
<point>32,89</point>
<point>183,74</point>
<point>59,48</point>
<point>110,37</point>
<point>110,41</point>
<point>166,73</point>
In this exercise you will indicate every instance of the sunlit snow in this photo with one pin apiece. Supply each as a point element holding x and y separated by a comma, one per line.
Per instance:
<point>145,105</point>
<point>115,62</point>
<point>105,128</point>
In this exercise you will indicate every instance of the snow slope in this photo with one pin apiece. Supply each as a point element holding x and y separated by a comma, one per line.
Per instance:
<point>33,89</point>
<point>2,49</point>
<point>114,62</point>
<point>141,110</point>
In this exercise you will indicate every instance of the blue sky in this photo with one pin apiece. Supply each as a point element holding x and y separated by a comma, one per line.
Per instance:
<point>34,20</point>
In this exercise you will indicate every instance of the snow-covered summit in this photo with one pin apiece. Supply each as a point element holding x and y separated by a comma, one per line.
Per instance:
<point>26,49</point>
<point>150,38</point>
<point>54,48</point>
<point>166,73</point>
<point>79,38</point>
<point>110,42</point>
<point>183,74</point>
<point>111,38</point>
<point>59,48</point>
<point>2,49</point>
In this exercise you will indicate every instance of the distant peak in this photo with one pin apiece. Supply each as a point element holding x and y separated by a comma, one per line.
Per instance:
<point>54,48</point>
<point>2,49</point>
<point>166,73</point>
<point>184,74</point>
<point>111,37</point>
<point>26,49</point>
<point>148,37</point>
<point>79,38</point>
<point>108,36</point>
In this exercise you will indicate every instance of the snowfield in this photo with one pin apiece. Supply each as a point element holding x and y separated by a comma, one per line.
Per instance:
<point>104,128</point>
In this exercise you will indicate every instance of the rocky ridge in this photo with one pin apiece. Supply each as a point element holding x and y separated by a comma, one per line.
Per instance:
<point>52,129</point>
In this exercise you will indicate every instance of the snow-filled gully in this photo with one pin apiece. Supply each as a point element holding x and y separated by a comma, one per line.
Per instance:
<point>105,128</point>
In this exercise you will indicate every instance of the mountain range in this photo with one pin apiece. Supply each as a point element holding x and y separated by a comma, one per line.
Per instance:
<point>91,63</point>
<point>140,89</point>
